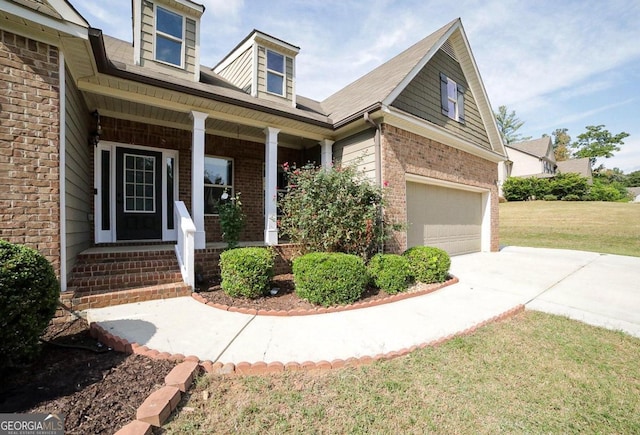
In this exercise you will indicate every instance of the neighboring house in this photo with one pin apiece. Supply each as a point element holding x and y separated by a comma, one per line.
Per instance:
<point>114,154</point>
<point>535,158</point>
<point>532,158</point>
<point>576,166</point>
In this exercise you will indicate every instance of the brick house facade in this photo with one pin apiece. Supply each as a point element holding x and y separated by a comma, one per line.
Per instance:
<point>30,144</point>
<point>75,102</point>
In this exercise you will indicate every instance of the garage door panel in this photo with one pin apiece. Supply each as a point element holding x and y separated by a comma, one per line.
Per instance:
<point>443,217</point>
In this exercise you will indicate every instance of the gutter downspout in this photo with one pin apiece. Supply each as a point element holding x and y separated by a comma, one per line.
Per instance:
<point>378,160</point>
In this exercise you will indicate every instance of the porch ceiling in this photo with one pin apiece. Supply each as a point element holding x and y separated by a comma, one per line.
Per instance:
<point>145,113</point>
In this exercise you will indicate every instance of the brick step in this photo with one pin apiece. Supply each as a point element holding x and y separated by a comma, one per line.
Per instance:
<point>111,257</point>
<point>83,301</point>
<point>126,266</point>
<point>120,281</point>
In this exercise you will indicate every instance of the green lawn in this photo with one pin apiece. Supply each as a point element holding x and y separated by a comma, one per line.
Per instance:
<point>534,373</point>
<point>608,227</point>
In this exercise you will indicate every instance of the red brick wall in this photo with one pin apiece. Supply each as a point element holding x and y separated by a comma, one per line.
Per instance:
<point>404,152</point>
<point>248,167</point>
<point>30,145</point>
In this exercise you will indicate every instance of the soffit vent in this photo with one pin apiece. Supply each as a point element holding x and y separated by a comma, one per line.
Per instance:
<point>448,48</point>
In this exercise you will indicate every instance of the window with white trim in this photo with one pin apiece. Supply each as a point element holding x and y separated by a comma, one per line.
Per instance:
<point>275,73</point>
<point>169,36</point>
<point>452,98</point>
<point>218,182</point>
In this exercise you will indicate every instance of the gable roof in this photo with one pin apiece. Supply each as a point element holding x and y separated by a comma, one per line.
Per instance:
<point>536,147</point>
<point>578,166</point>
<point>375,86</point>
<point>380,87</point>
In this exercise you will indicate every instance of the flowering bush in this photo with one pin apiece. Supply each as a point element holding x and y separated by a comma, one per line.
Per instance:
<point>333,210</point>
<point>231,220</point>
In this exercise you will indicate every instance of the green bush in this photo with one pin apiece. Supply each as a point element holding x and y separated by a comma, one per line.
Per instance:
<point>246,272</point>
<point>333,210</point>
<point>600,191</point>
<point>571,197</point>
<point>568,184</point>
<point>29,293</point>
<point>326,278</point>
<point>550,197</point>
<point>524,189</point>
<point>428,264</point>
<point>390,273</point>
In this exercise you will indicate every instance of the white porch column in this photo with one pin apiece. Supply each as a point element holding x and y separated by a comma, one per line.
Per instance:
<point>326,153</point>
<point>197,178</point>
<point>271,186</point>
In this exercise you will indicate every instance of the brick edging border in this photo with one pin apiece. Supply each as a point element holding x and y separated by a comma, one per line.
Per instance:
<point>324,310</point>
<point>261,368</point>
<point>245,368</point>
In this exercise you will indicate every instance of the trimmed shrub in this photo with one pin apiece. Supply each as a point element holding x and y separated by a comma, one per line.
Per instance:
<point>390,273</point>
<point>29,293</point>
<point>428,264</point>
<point>550,197</point>
<point>607,192</point>
<point>246,272</point>
<point>330,278</point>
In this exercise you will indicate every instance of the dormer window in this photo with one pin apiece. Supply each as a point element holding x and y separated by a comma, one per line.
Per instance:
<point>275,73</point>
<point>169,36</point>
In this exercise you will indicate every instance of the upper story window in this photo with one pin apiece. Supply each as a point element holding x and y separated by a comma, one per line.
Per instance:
<point>451,98</point>
<point>218,182</point>
<point>275,73</point>
<point>169,36</point>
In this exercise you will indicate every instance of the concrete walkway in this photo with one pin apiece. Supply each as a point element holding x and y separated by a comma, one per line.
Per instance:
<point>598,289</point>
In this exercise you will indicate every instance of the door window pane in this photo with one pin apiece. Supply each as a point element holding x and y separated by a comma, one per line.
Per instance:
<point>139,184</point>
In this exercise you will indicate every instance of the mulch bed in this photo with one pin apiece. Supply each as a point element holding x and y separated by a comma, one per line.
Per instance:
<point>98,392</point>
<point>286,298</point>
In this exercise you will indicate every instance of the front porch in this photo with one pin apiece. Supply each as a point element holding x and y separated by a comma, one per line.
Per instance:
<point>107,275</point>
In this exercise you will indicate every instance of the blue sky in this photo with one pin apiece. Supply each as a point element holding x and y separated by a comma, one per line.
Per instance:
<point>558,64</point>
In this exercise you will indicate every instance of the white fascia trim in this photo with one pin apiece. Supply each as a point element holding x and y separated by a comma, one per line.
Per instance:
<point>68,13</point>
<point>443,183</point>
<point>137,31</point>
<point>192,5</point>
<point>66,27</point>
<point>258,35</point>
<point>63,174</point>
<point>419,126</point>
<point>423,62</point>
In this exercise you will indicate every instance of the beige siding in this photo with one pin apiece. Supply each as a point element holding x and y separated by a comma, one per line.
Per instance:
<point>190,46</point>
<point>78,177</point>
<point>358,150</point>
<point>239,72</point>
<point>147,58</point>
<point>450,219</point>
<point>422,99</point>
<point>262,77</point>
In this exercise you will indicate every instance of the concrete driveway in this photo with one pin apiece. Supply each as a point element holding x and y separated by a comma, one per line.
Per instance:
<point>598,289</point>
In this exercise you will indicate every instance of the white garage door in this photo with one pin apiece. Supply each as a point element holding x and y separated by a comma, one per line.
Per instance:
<point>444,217</point>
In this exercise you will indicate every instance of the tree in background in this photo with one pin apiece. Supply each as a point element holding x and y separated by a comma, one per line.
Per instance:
<point>509,124</point>
<point>633,179</point>
<point>597,142</point>
<point>561,141</point>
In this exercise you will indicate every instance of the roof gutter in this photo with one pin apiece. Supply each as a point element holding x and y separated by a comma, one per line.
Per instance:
<point>105,66</point>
